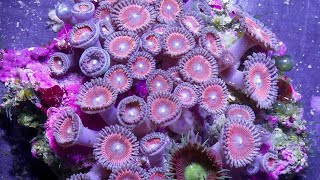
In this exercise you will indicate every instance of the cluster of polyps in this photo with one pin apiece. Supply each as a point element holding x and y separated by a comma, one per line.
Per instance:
<point>168,47</point>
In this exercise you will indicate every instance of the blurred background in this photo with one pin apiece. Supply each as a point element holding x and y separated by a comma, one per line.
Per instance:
<point>295,22</point>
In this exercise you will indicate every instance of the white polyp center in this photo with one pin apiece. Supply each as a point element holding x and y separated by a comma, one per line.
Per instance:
<point>168,7</point>
<point>59,62</point>
<point>84,35</point>
<point>177,44</point>
<point>133,112</point>
<point>123,46</point>
<point>98,100</point>
<point>208,44</point>
<point>135,15</point>
<point>239,115</point>
<point>259,33</point>
<point>189,24</point>
<point>119,79</point>
<point>140,65</point>
<point>158,84</point>
<point>238,141</point>
<point>104,29</point>
<point>95,61</point>
<point>184,95</point>
<point>163,109</point>
<point>197,67</point>
<point>213,96</point>
<point>153,146</point>
<point>69,130</point>
<point>150,43</point>
<point>257,80</point>
<point>117,147</point>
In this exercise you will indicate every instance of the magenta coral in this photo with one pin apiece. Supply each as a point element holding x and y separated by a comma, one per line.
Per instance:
<point>178,41</point>
<point>169,10</point>
<point>83,11</point>
<point>121,45</point>
<point>198,66</point>
<point>240,142</point>
<point>132,15</point>
<point>129,172</point>
<point>260,76</point>
<point>68,131</point>
<point>213,96</point>
<point>154,146</point>
<point>132,113</point>
<point>163,108</point>
<point>115,147</point>
<point>141,65</point>
<point>240,111</point>
<point>159,81</point>
<point>84,35</point>
<point>94,62</point>
<point>152,42</point>
<point>119,77</point>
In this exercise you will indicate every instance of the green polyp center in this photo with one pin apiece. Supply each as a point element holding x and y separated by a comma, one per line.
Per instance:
<point>195,171</point>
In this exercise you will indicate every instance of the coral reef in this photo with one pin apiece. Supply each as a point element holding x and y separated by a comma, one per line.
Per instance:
<point>144,89</point>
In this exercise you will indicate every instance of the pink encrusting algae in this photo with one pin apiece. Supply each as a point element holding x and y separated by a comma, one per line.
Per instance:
<point>145,89</point>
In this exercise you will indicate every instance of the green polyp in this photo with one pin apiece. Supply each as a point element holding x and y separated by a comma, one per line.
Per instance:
<point>279,107</point>
<point>195,171</point>
<point>289,110</point>
<point>284,63</point>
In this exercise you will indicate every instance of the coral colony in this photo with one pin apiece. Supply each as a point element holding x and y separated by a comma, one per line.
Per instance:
<point>160,89</point>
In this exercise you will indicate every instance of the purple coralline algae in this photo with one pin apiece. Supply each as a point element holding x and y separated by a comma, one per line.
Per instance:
<point>165,89</point>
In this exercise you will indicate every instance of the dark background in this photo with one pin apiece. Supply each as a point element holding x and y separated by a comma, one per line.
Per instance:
<point>296,23</point>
